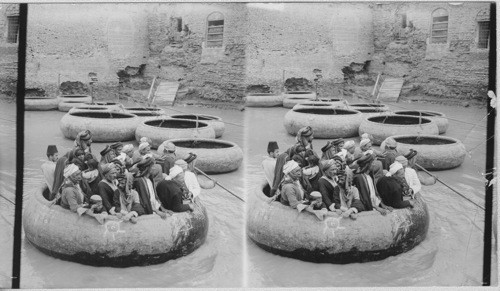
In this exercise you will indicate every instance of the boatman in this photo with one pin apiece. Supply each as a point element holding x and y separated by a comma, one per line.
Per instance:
<point>410,175</point>
<point>49,167</point>
<point>389,146</point>
<point>171,192</point>
<point>269,163</point>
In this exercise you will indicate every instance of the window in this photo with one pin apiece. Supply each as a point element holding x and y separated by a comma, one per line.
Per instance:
<point>403,20</point>
<point>439,31</point>
<point>484,34</point>
<point>215,30</point>
<point>483,29</point>
<point>179,24</point>
<point>13,28</point>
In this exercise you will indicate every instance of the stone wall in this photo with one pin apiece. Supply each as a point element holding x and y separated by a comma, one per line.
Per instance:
<point>8,52</point>
<point>66,42</point>
<point>456,69</point>
<point>211,73</point>
<point>288,40</point>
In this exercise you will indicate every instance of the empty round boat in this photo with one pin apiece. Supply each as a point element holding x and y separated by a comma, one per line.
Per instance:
<point>89,108</point>
<point>75,98</point>
<point>356,106</point>
<point>279,229</point>
<point>433,152</point>
<point>368,112</point>
<point>66,106</point>
<point>438,117</point>
<point>332,103</point>
<point>40,103</point>
<point>263,100</point>
<point>162,129</point>
<point>112,106</point>
<point>63,234</point>
<point>383,126</point>
<point>105,126</point>
<point>215,121</point>
<point>300,94</point>
<point>146,113</point>
<point>325,122</point>
<point>214,156</point>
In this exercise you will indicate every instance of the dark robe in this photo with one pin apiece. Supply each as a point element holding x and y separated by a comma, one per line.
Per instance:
<point>141,187</point>
<point>58,176</point>
<point>359,180</point>
<point>170,196</point>
<point>106,193</point>
<point>168,163</point>
<point>278,172</point>
<point>137,207</point>
<point>390,157</point>
<point>391,192</point>
<point>329,193</point>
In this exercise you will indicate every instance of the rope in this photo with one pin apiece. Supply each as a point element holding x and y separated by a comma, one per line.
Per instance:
<point>230,192</point>
<point>8,199</point>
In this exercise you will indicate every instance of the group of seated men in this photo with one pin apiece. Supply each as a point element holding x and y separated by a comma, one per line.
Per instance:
<point>346,179</point>
<point>124,184</point>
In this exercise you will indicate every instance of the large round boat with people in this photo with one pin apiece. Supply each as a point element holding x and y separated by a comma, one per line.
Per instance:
<point>63,234</point>
<point>434,152</point>
<point>162,129</point>
<point>214,156</point>
<point>386,125</point>
<point>281,230</point>
<point>106,126</point>
<point>325,122</point>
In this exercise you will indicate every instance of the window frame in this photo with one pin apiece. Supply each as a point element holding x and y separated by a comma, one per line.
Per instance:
<point>479,33</point>
<point>207,31</point>
<point>9,31</point>
<point>432,35</point>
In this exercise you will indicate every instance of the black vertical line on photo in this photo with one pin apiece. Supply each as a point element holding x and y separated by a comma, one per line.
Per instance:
<point>21,70</point>
<point>490,151</point>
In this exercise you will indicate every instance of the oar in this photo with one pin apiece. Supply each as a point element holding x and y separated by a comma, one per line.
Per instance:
<point>201,172</point>
<point>422,168</point>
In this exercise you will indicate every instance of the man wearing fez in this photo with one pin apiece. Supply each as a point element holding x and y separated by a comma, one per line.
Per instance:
<point>49,167</point>
<point>269,163</point>
<point>144,185</point>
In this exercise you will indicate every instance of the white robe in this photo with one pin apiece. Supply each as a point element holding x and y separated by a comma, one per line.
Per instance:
<point>192,183</point>
<point>269,164</point>
<point>48,169</point>
<point>411,178</point>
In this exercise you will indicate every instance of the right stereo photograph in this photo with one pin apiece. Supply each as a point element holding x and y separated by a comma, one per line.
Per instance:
<point>366,133</point>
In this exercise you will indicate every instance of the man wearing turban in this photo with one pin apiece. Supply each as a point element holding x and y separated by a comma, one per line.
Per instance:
<point>107,187</point>
<point>292,193</point>
<point>144,185</point>
<point>328,186</point>
<point>72,197</point>
<point>392,189</point>
<point>171,192</point>
<point>390,152</point>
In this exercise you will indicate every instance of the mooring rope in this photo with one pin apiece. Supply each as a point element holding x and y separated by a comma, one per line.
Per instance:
<point>7,199</point>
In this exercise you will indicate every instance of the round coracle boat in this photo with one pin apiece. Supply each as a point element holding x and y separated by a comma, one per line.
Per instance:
<point>281,230</point>
<point>356,106</point>
<point>75,98</point>
<point>40,103</point>
<point>433,152</point>
<point>106,126</point>
<point>215,121</point>
<point>325,122</point>
<point>291,102</point>
<point>368,112</point>
<point>112,106</point>
<point>438,117</point>
<point>384,126</point>
<point>162,129</point>
<point>63,234</point>
<point>88,108</point>
<point>263,100</point>
<point>146,113</point>
<point>213,156</point>
<point>333,103</point>
<point>66,106</point>
<point>300,94</point>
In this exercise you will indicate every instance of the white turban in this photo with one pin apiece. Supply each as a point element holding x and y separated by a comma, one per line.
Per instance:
<point>174,171</point>
<point>349,144</point>
<point>181,163</point>
<point>144,139</point>
<point>121,157</point>
<point>289,166</point>
<point>143,145</point>
<point>364,142</point>
<point>366,136</point>
<point>70,169</point>
<point>127,148</point>
<point>396,166</point>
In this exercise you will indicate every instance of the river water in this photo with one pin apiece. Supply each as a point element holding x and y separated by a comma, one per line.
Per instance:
<point>451,255</point>
<point>217,263</point>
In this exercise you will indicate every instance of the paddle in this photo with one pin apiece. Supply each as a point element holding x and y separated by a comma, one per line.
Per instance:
<point>422,168</point>
<point>201,172</point>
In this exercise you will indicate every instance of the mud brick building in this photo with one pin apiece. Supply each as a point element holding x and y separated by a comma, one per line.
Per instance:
<point>9,27</point>
<point>217,50</point>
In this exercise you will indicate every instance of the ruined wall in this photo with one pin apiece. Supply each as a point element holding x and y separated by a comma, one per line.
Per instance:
<point>8,53</point>
<point>211,73</point>
<point>298,38</point>
<point>74,40</point>
<point>456,69</point>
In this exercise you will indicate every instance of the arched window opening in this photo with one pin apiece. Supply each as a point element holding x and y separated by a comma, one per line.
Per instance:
<point>483,29</point>
<point>439,31</point>
<point>215,30</point>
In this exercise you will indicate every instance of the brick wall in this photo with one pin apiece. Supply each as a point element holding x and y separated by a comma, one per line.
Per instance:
<point>212,73</point>
<point>456,69</point>
<point>298,38</point>
<point>76,39</point>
